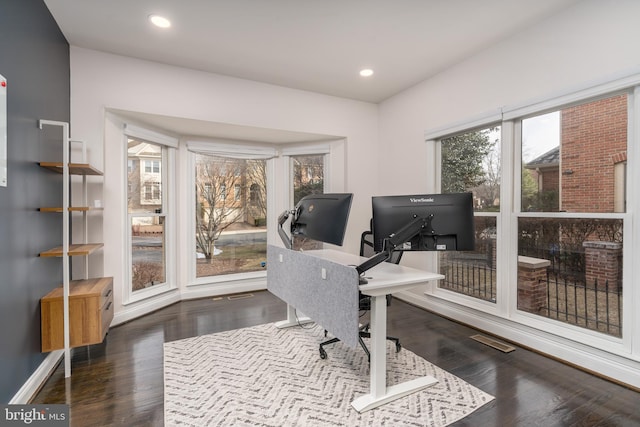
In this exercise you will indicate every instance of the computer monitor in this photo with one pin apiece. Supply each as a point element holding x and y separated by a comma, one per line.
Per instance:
<point>322,217</point>
<point>427,222</point>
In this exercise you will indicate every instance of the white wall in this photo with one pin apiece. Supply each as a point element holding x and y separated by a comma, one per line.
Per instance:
<point>594,41</point>
<point>101,81</point>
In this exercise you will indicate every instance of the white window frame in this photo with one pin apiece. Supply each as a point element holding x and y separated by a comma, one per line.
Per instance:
<point>577,333</point>
<point>510,118</point>
<point>278,177</point>
<point>169,177</point>
<point>219,147</point>
<point>433,139</point>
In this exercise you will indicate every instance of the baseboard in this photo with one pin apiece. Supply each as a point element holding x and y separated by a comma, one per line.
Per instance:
<point>614,367</point>
<point>139,309</point>
<point>35,381</point>
<point>212,290</point>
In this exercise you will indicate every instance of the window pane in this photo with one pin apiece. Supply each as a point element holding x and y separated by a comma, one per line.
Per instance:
<point>470,162</point>
<point>473,273</point>
<point>308,178</point>
<point>231,233</point>
<point>571,270</point>
<point>144,184</point>
<point>147,251</point>
<point>574,159</point>
<point>147,221</point>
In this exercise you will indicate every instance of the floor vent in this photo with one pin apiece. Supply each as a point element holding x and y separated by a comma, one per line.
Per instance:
<point>239,296</point>
<point>498,345</point>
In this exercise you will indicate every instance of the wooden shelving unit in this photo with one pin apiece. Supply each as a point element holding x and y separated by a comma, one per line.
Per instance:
<point>78,312</point>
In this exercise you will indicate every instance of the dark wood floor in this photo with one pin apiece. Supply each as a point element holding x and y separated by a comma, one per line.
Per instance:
<point>120,382</point>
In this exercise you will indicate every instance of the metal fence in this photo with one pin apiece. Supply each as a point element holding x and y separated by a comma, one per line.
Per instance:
<point>591,306</point>
<point>469,277</point>
<point>594,306</point>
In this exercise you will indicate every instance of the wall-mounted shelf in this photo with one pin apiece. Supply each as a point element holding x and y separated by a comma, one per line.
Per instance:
<point>82,249</point>
<point>71,209</point>
<point>74,168</point>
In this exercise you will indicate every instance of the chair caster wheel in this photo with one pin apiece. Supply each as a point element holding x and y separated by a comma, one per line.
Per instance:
<point>398,347</point>
<point>323,354</point>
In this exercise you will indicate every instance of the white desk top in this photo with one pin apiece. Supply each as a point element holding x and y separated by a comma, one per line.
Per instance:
<point>384,278</point>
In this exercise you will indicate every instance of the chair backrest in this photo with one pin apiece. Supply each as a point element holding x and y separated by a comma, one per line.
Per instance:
<point>366,250</point>
<point>366,246</point>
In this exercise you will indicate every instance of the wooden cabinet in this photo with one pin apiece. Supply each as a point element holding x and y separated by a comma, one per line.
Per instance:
<point>90,313</point>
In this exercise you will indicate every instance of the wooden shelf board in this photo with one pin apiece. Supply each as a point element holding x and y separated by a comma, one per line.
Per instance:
<point>71,209</point>
<point>81,287</point>
<point>74,250</point>
<point>74,168</point>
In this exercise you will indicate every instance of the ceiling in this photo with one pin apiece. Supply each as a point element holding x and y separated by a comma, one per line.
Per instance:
<point>314,45</point>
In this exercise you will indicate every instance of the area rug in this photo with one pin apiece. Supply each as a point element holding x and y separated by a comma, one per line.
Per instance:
<point>265,376</point>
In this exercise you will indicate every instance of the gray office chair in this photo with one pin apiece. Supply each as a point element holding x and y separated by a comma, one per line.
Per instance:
<point>364,305</point>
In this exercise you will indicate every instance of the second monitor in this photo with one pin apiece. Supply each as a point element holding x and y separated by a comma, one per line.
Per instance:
<point>445,222</point>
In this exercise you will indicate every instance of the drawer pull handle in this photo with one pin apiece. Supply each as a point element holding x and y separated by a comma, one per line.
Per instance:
<point>108,293</point>
<point>108,306</point>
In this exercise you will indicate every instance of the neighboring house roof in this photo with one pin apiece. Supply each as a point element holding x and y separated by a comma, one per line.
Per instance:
<point>547,160</point>
<point>143,149</point>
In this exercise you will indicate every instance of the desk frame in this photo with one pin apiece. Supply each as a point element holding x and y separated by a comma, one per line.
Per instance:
<point>383,279</point>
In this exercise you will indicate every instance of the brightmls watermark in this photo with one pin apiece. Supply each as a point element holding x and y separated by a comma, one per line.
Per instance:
<point>34,415</point>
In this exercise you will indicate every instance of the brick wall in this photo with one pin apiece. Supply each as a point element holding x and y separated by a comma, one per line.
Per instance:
<point>532,284</point>
<point>550,179</point>
<point>594,138</point>
<point>603,264</point>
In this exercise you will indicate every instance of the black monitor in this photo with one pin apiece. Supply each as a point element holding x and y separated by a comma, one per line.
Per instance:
<point>322,217</point>
<point>442,222</point>
<point>426,222</point>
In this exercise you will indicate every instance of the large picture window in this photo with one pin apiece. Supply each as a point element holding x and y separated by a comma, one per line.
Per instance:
<point>230,231</point>
<point>551,197</point>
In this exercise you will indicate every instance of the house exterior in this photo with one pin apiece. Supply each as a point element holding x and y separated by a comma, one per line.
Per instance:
<point>593,136</point>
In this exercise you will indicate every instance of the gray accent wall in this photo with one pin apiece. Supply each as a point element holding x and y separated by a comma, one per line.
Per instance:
<point>34,57</point>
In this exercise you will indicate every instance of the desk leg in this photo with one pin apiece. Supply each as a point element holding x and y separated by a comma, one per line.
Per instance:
<point>378,367</point>
<point>292,320</point>
<point>379,393</point>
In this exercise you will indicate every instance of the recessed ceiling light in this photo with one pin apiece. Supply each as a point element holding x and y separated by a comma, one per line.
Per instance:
<point>159,21</point>
<point>367,72</point>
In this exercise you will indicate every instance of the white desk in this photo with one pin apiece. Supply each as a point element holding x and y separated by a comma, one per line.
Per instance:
<point>385,278</point>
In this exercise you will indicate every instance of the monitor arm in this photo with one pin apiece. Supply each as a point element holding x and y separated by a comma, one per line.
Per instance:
<point>418,225</point>
<point>282,218</point>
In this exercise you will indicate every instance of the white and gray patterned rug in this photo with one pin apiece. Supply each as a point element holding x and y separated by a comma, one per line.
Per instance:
<point>265,376</point>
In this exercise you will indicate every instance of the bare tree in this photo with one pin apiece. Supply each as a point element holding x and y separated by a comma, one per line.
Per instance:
<point>489,191</point>
<point>217,205</point>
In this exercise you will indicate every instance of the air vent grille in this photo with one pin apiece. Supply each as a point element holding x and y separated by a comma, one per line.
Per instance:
<point>498,345</point>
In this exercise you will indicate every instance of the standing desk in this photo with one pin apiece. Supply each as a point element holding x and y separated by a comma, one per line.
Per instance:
<point>383,279</point>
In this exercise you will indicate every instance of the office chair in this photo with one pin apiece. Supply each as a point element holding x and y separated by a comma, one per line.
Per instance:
<point>364,304</point>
